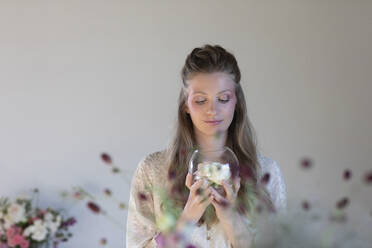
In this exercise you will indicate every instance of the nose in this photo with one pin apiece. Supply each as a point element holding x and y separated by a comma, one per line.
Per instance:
<point>211,109</point>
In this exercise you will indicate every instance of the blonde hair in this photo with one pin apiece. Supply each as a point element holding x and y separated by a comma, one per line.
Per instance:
<point>241,137</point>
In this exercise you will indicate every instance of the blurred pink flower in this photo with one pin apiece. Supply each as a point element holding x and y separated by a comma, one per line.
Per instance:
<point>15,237</point>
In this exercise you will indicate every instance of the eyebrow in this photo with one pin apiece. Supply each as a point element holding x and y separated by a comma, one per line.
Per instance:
<point>201,92</point>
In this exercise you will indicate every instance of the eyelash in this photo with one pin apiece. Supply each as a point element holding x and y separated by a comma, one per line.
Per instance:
<point>222,101</point>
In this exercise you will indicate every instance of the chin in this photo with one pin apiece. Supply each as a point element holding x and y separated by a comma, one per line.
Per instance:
<point>212,132</point>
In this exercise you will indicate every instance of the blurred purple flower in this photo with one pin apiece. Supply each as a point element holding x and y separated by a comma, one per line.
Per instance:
<point>306,163</point>
<point>171,174</point>
<point>368,177</point>
<point>108,192</point>
<point>94,207</point>
<point>160,240</point>
<point>142,196</point>
<point>342,203</point>
<point>306,205</point>
<point>106,158</point>
<point>69,222</point>
<point>103,241</point>
<point>265,179</point>
<point>347,174</point>
<point>190,246</point>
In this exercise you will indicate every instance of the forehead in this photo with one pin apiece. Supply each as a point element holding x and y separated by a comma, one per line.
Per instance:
<point>210,83</point>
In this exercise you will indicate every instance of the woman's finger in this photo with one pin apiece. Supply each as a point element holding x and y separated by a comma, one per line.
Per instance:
<point>228,188</point>
<point>188,180</point>
<point>195,186</point>
<point>207,201</point>
<point>218,204</point>
<point>216,195</point>
<point>204,195</point>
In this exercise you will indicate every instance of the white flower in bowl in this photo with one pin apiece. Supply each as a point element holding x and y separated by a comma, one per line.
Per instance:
<point>214,171</point>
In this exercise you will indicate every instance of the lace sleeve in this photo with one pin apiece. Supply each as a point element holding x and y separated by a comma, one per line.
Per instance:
<point>141,229</point>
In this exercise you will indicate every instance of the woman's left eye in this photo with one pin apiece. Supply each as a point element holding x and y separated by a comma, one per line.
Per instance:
<point>224,100</point>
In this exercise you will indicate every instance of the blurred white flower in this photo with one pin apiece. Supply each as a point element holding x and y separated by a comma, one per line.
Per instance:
<point>38,231</point>
<point>52,222</point>
<point>15,213</point>
<point>214,171</point>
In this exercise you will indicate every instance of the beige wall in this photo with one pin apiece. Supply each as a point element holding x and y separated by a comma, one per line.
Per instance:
<point>81,77</point>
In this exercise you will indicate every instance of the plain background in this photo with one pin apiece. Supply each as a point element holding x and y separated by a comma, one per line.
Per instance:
<point>78,78</point>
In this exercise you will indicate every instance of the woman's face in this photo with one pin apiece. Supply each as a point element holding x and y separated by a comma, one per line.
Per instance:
<point>211,102</point>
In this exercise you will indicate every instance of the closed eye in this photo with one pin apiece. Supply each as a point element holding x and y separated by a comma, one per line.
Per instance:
<point>224,100</point>
<point>200,102</point>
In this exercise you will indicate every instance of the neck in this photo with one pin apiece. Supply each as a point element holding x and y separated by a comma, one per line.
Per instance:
<point>211,142</point>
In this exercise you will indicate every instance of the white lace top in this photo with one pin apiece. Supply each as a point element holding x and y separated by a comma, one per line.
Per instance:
<point>142,214</point>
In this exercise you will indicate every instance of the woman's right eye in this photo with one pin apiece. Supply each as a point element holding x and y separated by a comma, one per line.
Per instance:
<point>200,102</point>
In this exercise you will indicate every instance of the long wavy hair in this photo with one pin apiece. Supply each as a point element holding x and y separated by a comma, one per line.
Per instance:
<point>241,138</point>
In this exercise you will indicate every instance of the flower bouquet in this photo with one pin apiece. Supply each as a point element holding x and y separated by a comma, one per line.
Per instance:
<point>25,226</point>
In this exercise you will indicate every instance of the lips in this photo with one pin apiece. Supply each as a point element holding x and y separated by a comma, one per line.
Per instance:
<point>214,121</point>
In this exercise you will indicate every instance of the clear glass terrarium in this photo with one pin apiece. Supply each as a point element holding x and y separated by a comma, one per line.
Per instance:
<point>214,166</point>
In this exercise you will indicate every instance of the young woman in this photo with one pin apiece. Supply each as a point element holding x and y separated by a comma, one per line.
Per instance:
<point>211,114</point>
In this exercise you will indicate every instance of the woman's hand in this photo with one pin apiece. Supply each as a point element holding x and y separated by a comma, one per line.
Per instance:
<point>198,201</point>
<point>225,206</point>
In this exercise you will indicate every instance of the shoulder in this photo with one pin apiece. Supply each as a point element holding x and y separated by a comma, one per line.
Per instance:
<point>151,164</point>
<point>154,157</point>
